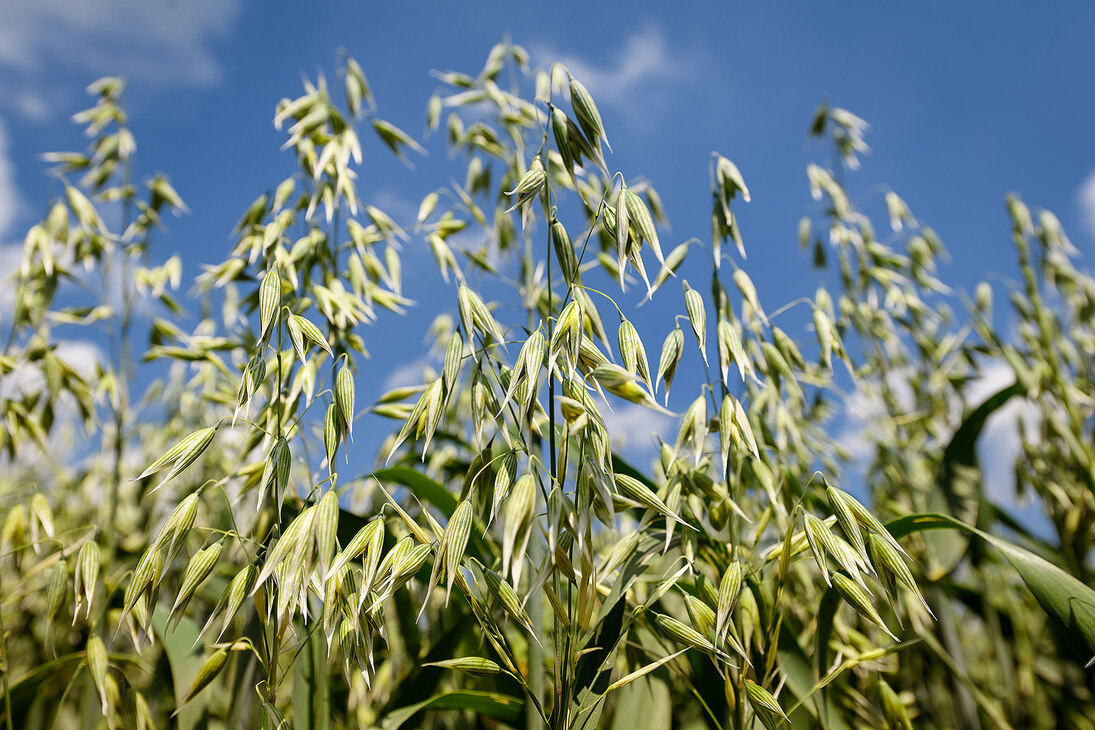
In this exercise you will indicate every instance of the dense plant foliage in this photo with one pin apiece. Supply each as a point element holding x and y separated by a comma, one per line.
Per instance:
<point>206,556</point>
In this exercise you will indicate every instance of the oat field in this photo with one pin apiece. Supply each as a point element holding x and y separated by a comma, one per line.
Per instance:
<point>194,536</point>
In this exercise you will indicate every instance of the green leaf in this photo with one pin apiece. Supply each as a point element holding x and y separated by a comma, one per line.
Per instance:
<point>48,679</point>
<point>491,704</point>
<point>826,611</point>
<point>43,678</point>
<point>422,680</point>
<point>593,673</point>
<point>311,691</point>
<point>185,659</point>
<point>646,703</point>
<point>1069,603</point>
<point>423,487</point>
<point>961,492</point>
<point>799,676</point>
<point>962,450</point>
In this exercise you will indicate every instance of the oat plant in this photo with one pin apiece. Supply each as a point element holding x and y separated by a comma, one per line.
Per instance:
<point>193,535</point>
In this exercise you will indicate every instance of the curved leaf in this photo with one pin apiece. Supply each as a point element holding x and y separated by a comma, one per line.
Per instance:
<point>826,612</point>
<point>962,450</point>
<point>961,492</point>
<point>422,486</point>
<point>1069,603</point>
<point>492,704</point>
<point>185,660</point>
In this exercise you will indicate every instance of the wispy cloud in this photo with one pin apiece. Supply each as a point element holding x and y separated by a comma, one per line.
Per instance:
<point>864,409</point>
<point>67,434</point>
<point>409,373</point>
<point>644,68</point>
<point>1086,198</point>
<point>81,355</point>
<point>44,41</point>
<point>632,428</point>
<point>50,49</point>
<point>11,256</point>
<point>11,253</point>
<point>401,209</point>
<point>1001,440</point>
<point>9,194</point>
<point>1000,443</point>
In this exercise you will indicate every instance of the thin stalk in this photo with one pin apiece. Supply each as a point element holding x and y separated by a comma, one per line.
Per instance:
<point>561,714</point>
<point>121,365</point>
<point>279,404</point>
<point>122,370</point>
<point>270,630</point>
<point>551,320</point>
<point>339,350</point>
<point>535,650</point>
<point>4,671</point>
<point>61,699</point>
<point>535,686</point>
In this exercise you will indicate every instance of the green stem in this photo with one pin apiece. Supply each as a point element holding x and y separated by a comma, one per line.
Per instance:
<point>535,684</point>
<point>4,669</point>
<point>551,321</point>
<point>122,371</point>
<point>270,630</point>
<point>598,291</point>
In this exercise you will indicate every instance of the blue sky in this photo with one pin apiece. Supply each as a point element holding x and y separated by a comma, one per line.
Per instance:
<point>966,101</point>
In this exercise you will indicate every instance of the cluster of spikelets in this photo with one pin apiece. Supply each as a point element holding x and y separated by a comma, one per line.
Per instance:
<point>701,555</point>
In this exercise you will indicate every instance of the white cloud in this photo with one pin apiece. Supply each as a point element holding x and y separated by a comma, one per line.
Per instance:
<point>1086,198</point>
<point>9,194</point>
<point>643,65</point>
<point>170,43</point>
<point>11,254</point>
<point>864,410</point>
<point>32,105</point>
<point>407,374</point>
<point>1000,443</point>
<point>401,209</point>
<point>11,258</point>
<point>67,435</point>
<point>853,433</point>
<point>632,428</point>
<point>81,355</point>
<point>998,448</point>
